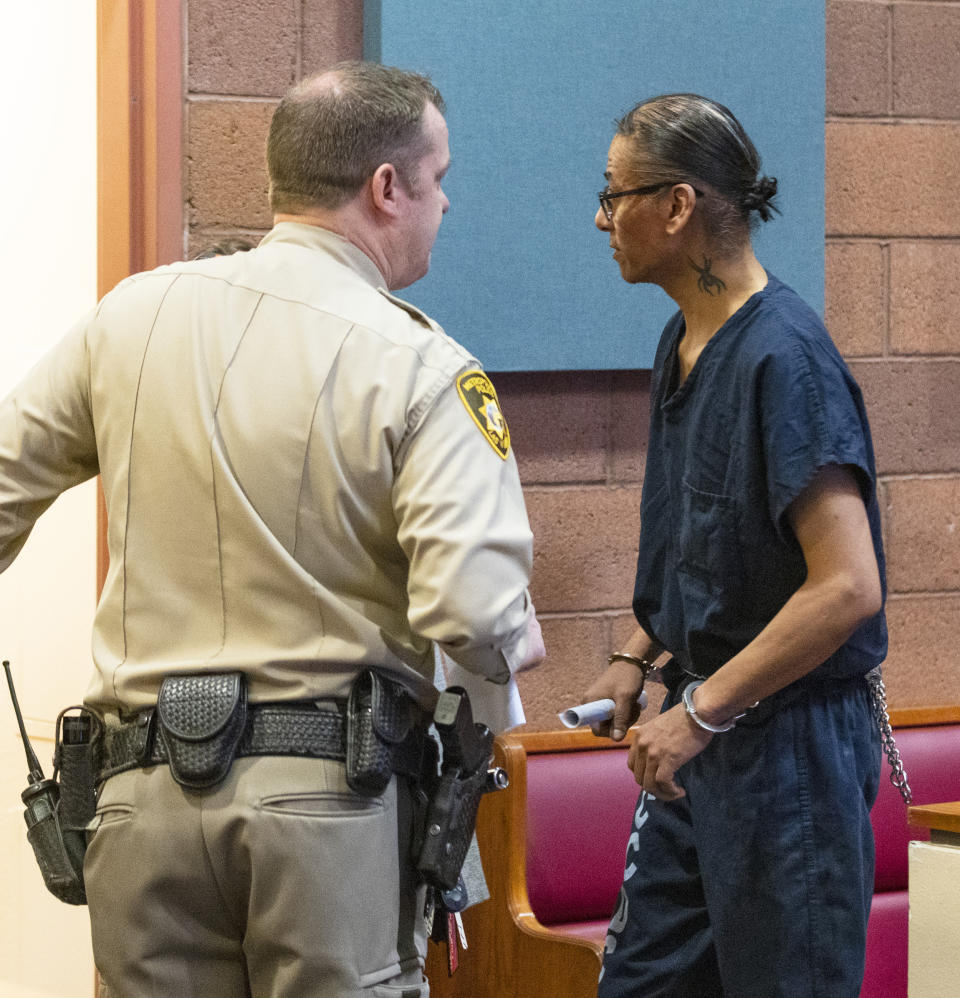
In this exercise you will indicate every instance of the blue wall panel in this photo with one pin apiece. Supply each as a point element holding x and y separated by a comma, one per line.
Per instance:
<point>520,275</point>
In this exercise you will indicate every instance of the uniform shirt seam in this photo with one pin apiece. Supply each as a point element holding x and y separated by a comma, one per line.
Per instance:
<point>126,518</point>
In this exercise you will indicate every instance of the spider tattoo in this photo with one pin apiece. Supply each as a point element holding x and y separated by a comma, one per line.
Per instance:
<point>707,282</point>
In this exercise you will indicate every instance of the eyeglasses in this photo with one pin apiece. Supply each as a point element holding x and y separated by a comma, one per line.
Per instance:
<point>607,196</point>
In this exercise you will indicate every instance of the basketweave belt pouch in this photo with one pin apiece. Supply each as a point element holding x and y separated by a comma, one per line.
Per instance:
<point>381,721</point>
<point>201,719</point>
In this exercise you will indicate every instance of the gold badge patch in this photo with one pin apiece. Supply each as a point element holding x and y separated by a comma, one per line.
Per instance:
<point>478,395</point>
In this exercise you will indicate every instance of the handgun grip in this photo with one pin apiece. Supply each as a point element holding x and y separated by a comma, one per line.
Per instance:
<point>466,745</point>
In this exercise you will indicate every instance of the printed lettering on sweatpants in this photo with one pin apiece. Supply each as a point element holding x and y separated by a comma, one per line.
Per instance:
<point>621,915</point>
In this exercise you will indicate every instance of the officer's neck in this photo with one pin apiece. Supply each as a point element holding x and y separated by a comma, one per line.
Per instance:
<point>351,224</point>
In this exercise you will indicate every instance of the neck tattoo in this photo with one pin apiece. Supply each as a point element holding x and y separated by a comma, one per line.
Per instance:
<point>708,282</point>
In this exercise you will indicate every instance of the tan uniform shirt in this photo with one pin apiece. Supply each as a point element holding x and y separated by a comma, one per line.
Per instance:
<point>295,486</point>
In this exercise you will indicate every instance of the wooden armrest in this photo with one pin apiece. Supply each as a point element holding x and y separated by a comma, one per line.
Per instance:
<point>936,817</point>
<point>511,955</point>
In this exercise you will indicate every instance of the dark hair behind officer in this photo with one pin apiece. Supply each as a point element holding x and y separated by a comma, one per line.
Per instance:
<point>224,247</point>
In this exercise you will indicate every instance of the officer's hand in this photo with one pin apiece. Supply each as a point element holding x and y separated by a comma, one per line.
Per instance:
<point>661,747</point>
<point>621,682</point>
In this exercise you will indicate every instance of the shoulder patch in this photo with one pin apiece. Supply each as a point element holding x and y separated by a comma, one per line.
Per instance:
<point>480,399</point>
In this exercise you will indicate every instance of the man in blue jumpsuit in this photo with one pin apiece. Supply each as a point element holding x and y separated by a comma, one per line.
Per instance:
<point>760,570</point>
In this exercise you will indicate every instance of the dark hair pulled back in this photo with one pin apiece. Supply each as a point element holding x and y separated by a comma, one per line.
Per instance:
<point>759,197</point>
<point>692,138</point>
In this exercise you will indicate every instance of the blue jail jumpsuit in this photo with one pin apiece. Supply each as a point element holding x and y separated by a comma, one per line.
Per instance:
<point>759,881</point>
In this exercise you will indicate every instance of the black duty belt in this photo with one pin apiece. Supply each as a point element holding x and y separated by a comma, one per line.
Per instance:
<point>299,728</point>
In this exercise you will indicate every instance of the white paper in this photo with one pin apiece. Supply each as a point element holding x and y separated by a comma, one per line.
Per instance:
<point>592,713</point>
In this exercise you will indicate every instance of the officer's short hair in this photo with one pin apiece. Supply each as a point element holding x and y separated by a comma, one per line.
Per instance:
<point>331,131</point>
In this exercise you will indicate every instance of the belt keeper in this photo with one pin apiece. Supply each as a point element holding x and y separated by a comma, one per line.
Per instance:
<point>146,728</point>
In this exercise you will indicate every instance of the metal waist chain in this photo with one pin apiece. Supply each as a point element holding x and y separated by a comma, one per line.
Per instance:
<point>878,700</point>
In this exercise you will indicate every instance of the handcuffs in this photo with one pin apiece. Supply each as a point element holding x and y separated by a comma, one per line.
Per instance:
<point>714,729</point>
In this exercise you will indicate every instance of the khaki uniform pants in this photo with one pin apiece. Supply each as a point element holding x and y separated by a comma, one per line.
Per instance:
<point>279,882</point>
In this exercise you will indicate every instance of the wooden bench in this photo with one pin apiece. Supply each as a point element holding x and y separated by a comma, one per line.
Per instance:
<point>554,844</point>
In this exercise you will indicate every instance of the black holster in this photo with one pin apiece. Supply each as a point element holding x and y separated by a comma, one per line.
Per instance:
<point>452,813</point>
<point>450,823</point>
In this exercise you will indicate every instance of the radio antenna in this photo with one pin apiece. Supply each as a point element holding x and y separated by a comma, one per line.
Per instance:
<point>36,772</point>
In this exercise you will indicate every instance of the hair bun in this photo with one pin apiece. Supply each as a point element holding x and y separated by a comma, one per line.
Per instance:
<point>759,196</point>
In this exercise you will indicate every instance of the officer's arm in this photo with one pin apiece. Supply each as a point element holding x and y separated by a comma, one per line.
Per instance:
<point>463,525</point>
<point>47,441</point>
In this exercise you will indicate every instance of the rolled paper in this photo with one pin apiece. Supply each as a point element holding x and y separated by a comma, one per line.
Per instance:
<point>592,713</point>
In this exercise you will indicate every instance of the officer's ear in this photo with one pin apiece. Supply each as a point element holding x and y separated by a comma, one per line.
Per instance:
<point>385,188</point>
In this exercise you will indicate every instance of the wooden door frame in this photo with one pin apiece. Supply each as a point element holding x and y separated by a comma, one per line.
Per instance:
<point>140,93</point>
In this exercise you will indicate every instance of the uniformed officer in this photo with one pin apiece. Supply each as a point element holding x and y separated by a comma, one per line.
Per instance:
<point>304,477</point>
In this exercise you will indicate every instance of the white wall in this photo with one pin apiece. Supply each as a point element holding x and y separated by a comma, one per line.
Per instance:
<point>48,256</point>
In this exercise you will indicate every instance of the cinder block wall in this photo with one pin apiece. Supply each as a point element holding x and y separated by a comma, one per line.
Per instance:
<point>893,306</point>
